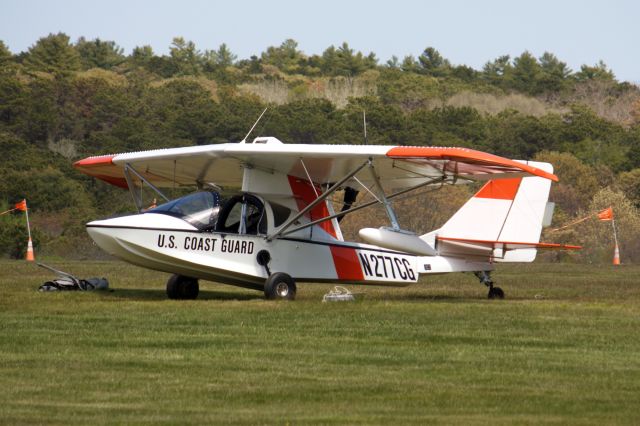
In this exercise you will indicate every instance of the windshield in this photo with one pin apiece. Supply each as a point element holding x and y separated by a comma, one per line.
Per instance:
<point>199,209</point>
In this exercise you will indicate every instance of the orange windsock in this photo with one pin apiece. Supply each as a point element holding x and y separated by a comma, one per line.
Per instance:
<point>22,205</point>
<point>606,214</point>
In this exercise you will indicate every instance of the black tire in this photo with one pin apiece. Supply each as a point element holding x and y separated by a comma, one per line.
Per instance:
<point>280,286</point>
<point>180,287</point>
<point>496,293</point>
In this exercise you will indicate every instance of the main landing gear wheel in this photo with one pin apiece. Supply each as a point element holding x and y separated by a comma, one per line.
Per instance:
<point>496,293</point>
<point>180,287</point>
<point>485,278</point>
<point>280,286</point>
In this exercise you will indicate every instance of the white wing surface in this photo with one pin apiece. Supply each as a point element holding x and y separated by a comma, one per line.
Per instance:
<point>223,164</point>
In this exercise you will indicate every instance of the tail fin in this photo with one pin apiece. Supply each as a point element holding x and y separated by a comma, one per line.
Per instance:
<point>505,215</point>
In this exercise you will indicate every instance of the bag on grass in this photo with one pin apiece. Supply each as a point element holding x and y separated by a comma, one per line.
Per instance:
<point>66,281</point>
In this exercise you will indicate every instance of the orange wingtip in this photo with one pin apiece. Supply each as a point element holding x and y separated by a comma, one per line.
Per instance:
<point>102,167</point>
<point>101,160</point>
<point>551,246</point>
<point>466,156</point>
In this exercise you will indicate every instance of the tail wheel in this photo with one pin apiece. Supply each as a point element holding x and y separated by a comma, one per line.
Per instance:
<point>180,287</point>
<point>280,286</point>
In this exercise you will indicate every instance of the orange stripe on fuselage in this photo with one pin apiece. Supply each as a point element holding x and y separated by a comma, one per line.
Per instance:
<point>347,264</point>
<point>500,189</point>
<point>305,195</point>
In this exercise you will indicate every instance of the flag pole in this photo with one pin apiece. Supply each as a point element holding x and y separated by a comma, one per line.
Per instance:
<point>26,212</point>
<point>30,256</point>
<point>8,211</point>
<point>616,250</point>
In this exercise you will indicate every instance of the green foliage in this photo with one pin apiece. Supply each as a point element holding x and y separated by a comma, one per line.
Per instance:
<point>578,183</point>
<point>14,234</point>
<point>216,63</point>
<point>447,126</point>
<point>12,93</point>
<point>432,63</point>
<point>633,155</point>
<point>554,74</point>
<point>525,74</point>
<point>142,55</point>
<point>46,190</point>
<point>496,71</point>
<point>344,61</point>
<point>185,57</point>
<point>599,71</point>
<point>18,155</point>
<point>309,121</point>
<point>60,102</point>
<point>409,91</point>
<point>286,57</point>
<point>597,236</point>
<point>629,183</point>
<point>53,54</point>
<point>385,123</point>
<point>99,54</point>
<point>596,152</point>
<point>5,55</point>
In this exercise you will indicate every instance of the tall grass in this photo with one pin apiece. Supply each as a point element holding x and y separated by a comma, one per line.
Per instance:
<point>493,104</point>
<point>337,90</point>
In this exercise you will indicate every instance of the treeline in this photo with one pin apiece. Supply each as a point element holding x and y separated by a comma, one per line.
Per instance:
<point>525,73</point>
<point>61,101</point>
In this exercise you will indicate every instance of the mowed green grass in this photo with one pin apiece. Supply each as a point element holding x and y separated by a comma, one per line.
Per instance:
<point>564,347</point>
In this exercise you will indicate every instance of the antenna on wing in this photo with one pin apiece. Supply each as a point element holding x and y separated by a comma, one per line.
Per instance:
<point>254,125</point>
<point>364,124</point>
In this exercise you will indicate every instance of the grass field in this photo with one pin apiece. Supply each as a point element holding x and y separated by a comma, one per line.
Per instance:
<point>564,347</point>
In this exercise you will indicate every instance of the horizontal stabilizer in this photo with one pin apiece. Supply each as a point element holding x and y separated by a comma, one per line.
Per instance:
<point>503,220</point>
<point>504,245</point>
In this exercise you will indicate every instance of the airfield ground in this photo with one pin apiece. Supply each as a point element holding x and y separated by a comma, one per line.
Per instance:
<point>564,347</point>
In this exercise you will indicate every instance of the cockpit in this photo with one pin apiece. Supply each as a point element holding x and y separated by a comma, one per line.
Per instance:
<point>240,214</point>
<point>200,209</point>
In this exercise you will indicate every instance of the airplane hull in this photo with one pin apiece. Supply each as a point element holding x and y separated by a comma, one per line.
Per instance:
<point>151,249</point>
<point>171,245</point>
<point>167,244</point>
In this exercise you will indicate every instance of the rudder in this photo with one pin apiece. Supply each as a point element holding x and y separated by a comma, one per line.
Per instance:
<point>507,210</point>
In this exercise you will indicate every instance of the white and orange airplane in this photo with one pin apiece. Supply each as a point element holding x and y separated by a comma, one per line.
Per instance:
<point>281,229</point>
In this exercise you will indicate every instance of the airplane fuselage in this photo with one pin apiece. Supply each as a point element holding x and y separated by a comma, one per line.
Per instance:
<point>171,245</point>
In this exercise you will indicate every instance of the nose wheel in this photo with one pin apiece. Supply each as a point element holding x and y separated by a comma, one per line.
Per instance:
<point>485,278</point>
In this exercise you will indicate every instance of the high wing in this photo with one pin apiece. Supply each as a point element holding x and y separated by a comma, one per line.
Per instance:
<point>223,164</point>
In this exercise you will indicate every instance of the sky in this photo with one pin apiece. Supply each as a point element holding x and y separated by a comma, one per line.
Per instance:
<point>465,32</point>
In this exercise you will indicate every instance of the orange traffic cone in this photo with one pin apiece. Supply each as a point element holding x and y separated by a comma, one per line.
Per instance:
<point>30,257</point>
<point>616,256</point>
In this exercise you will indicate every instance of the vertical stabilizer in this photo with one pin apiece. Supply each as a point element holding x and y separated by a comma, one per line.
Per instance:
<point>505,210</point>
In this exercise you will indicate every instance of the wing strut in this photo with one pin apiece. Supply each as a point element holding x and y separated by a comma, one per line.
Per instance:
<point>441,179</point>
<point>309,177</point>
<point>318,200</point>
<point>137,198</point>
<point>385,201</point>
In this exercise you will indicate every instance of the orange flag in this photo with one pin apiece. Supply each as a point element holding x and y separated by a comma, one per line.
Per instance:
<point>606,214</point>
<point>22,205</point>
